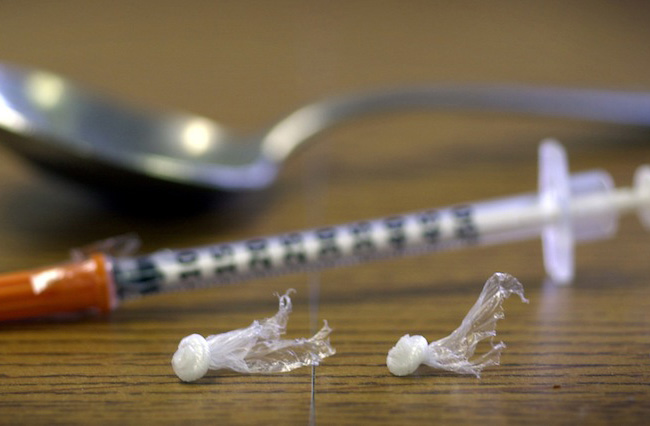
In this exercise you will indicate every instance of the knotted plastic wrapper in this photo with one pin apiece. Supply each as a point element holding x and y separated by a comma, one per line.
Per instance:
<point>257,348</point>
<point>456,352</point>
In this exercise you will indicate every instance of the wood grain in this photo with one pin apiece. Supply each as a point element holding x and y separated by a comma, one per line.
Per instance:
<point>579,354</point>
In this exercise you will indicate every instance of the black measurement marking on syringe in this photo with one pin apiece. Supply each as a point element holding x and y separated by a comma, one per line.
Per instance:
<point>224,256</point>
<point>466,229</point>
<point>294,252</point>
<point>260,258</point>
<point>362,238</point>
<point>189,259</point>
<point>396,233</point>
<point>429,222</point>
<point>146,277</point>
<point>328,246</point>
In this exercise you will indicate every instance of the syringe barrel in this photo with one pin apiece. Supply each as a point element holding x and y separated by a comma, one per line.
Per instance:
<point>428,230</point>
<point>495,221</point>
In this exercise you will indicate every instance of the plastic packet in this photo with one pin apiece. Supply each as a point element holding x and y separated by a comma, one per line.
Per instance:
<point>456,352</point>
<point>257,348</point>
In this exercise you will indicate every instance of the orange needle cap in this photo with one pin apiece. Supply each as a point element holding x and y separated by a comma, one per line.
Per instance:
<point>65,288</point>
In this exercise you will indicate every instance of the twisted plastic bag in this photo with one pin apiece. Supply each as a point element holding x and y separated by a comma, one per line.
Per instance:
<point>456,351</point>
<point>257,348</point>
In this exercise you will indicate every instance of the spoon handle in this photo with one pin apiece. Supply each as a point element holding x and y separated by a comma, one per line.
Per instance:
<point>609,106</point>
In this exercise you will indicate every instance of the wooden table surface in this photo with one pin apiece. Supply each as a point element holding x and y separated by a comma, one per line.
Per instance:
<point>579,354</point>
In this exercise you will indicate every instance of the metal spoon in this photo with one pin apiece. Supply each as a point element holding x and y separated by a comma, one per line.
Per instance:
<point>95,139</point>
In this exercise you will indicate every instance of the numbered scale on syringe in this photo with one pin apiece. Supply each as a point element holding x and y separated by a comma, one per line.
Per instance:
<point>567,208</point>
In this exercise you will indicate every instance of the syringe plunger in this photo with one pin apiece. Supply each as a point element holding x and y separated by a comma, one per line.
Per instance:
<point>584,206</point>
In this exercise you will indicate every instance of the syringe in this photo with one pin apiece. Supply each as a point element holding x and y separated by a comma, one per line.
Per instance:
<point>568,208</point>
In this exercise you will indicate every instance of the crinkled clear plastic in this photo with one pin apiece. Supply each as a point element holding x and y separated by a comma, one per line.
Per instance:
<point>257,348</point>
<point>456,352</point>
